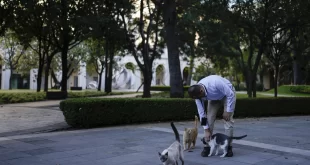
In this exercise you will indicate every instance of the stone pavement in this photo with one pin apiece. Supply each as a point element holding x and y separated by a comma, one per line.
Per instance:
<point>33,117</point>
<point>270,141</point>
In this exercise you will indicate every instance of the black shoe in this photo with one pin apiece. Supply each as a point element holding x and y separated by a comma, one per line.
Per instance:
<point>229,152</point>
<point>205,152</point>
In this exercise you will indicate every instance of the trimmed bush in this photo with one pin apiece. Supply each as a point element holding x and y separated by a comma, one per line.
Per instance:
<point>165,88</point>
<point>95,112</point>
<point>21,97</point>
<point>301,89</point>
<point>6,98</point>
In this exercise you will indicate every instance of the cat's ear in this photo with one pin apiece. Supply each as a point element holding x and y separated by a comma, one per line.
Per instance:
<point>159,153</point>
<point>166,154</point>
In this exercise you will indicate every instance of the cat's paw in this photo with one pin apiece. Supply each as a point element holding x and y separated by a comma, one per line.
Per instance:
<point>209,155</point>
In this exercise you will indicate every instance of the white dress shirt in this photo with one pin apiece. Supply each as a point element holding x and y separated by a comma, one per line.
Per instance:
<point>216,88</point>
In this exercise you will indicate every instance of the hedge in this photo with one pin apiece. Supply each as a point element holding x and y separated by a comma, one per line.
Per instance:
<point>96,112</point>
<point>21,97</point>
<point>300,89</point>
<point>165,88</point>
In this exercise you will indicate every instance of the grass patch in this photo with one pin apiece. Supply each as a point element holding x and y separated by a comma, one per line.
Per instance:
<point>21,96</point>
<point>286,90</point>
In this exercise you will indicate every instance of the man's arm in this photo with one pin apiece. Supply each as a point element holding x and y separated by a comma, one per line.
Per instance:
<point>225,89</point>
<point>201,111</point>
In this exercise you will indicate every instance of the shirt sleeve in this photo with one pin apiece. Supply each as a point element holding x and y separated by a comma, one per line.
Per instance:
<point>201,111</point>
<point>225,89</point>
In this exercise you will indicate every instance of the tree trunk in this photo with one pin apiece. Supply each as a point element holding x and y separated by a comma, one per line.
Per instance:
<point>111,68</point>
<point>106,66</point>
<point>54,77</point>
<point>100,78</point>
<point>254,87</point>
<point>169,15</point>
<point>237,81</point>
<point>298,76</point>
<point>47,70</point>
<point>11,78</point>
<point>65,45</point>
<point>276,80</point>
<point>249,84</point>
<point>64,61</point>
<point>147,84</point>
<point>109,72</point>
<point>191,66</point>
<point>39,77</point>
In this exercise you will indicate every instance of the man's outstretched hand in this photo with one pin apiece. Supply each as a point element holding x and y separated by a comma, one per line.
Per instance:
<point>227,115</point>
<point>207,135</point>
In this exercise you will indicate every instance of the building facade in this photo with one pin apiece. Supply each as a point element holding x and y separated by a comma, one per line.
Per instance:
<point>123,78</point>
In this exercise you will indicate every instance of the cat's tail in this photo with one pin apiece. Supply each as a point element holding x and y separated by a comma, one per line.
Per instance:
<point>238,137</point>
<point>176,133</point>
<point>196,121</point>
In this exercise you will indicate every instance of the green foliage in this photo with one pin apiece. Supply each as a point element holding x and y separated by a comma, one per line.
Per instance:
<point>20,97</point>
<point>96,55</point>
<point>202,71</point>
<point>88,113</point>
<point>300,89</point>
<point>130,66</point>
<point>165,88</point>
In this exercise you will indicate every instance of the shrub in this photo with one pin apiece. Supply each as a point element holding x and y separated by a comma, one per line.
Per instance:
<point>300,89</point>
<point>20,97</point>
<point>95,112</point>
<point>165,88</point>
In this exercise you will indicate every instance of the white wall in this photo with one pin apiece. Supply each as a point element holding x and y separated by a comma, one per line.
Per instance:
<point>5,78</point>
<point>82,76</point>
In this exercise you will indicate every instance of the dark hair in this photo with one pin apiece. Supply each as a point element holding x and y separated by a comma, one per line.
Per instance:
<point>194,90</point>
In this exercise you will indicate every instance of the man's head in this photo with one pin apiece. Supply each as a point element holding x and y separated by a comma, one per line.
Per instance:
<point>196,91</point>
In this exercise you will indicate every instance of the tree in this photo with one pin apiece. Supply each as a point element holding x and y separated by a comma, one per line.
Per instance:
<point>239,29</point>
<point>76,55</point>
<point>296,18</point>
<point>35,30</point>
<point>6,14</point>
<point>69,28</point>
<point>278,55</point>
<point>13,51</point>
<point>149,34</point>
<point>96,58</point>
<point>170,22</point>
<point>188,25</point>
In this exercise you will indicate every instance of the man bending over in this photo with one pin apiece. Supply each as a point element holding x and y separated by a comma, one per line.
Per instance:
<point>219,92</point>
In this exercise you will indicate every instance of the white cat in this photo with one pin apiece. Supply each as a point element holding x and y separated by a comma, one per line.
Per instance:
<point>171,155</point>
<point>219,140</point>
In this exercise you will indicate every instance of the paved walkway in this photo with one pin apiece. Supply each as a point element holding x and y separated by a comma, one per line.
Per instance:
<point>33,117</point>
<point>270,141</point>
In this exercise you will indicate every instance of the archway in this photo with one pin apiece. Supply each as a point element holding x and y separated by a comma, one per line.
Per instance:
<point>185,75</point>
<point>130,66</point>
<point>160,75</point>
